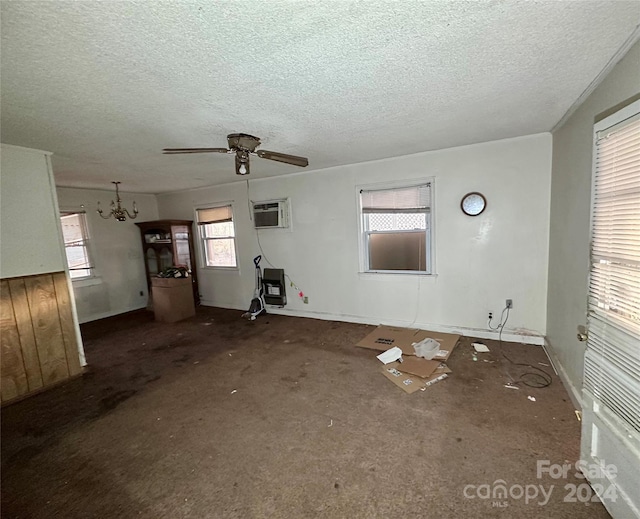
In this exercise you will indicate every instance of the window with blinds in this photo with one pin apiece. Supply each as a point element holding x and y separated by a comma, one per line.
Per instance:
<point>396,227</point>
<point>217,236</point>
<point>612,359</point>
<point>76,238</point>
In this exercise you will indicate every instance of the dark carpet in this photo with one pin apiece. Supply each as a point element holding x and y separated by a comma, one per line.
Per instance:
<point>282,417</point>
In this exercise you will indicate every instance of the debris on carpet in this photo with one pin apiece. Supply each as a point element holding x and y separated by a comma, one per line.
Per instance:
<point>406,355</point>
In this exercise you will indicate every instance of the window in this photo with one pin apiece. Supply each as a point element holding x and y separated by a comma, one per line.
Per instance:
<point>396,227</point>
<point>76,238</point>
<point>615,242</point>
<point>612,357</point>
<point>217,235</point>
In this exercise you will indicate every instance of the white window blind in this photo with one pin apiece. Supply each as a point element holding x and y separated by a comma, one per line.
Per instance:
<point>612,359</point>
<point>217,235</point>
<point>214,215</point>
<point>413,199</point>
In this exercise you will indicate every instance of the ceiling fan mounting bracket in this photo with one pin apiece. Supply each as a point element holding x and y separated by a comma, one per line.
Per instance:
<point>243,141</point>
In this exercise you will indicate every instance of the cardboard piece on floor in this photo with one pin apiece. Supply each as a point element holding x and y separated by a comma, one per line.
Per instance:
<point>420,367</point>
<point>442,368</point>
<point>385,337</point>
<point>408,383</point>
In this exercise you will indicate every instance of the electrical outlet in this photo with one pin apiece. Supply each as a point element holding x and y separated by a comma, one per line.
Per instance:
<point>509,303</point>
<point>305,300</point>
<point>490,316</point>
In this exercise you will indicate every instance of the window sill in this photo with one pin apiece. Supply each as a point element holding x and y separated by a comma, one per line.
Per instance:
<point>230,270</point>
<point>86,282</point>
<point>391,273</point>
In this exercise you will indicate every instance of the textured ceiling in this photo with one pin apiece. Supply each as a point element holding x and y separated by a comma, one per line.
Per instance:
<point>106,85</point>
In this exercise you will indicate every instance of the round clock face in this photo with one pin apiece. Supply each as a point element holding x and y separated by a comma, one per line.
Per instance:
<point>473,204</point>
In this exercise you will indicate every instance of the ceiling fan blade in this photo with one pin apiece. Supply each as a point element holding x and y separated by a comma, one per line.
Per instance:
<point>283,157</point>
<point>173,151</point>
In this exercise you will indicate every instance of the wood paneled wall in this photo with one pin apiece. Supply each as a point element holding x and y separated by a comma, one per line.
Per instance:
<point>39,346</point>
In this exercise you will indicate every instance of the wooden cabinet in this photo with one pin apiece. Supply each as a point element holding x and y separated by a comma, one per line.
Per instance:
<point>168,243</point>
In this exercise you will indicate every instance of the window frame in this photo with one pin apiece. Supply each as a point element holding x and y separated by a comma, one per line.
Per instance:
<point>364,234</point>
<point>86,242</point>
<point>627,113</point>
<point>202,240</point>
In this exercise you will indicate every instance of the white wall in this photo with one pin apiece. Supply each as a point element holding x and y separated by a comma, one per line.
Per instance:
<point>116,251</point>
<point>29,228</point>
<point>479,261</point>
<point>570,213</point>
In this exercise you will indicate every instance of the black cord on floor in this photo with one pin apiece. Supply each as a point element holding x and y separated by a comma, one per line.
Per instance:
<point>536,379</point>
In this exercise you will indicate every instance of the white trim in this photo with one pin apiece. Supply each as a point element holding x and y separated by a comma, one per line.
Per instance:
<point>86,282</point>
<point>110,191</point>
<point>111,313</point>
<point>522,338</point>
<point>620,53</point>
<point>375,274</point>
<point>362,162</point>
<point>201,253</point>
<point>72,296</point>
<point>575,394</point>
<point>30,150</point>
<point>217,304</point>
<point>222,269</point>
<point>615,118</point>
<point>363,262</point>
<point>88,243</point>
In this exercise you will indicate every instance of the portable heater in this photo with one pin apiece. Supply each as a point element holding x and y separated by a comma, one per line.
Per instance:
<point>274,287</point>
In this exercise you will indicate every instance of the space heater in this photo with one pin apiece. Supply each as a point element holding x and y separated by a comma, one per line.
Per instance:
<point>274,289</point>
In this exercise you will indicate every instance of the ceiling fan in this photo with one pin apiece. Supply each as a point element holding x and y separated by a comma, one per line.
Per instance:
<point>243,146</point>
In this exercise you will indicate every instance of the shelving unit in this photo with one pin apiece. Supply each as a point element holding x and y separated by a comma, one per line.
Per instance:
<point>168,243</point>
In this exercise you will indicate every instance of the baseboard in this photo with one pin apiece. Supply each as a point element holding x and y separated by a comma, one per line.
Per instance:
<point>507,336</point>
<point>104,315</point>
<point>574,393</point>
<point>228,306</point>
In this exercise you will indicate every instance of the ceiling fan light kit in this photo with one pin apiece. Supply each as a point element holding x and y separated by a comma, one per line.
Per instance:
<point>243,145</point>
<point>242,162</point>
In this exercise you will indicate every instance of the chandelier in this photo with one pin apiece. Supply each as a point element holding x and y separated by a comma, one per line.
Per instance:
<point>117,211</point>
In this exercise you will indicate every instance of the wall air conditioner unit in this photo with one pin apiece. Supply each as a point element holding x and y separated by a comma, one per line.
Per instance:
<point>273,214</point>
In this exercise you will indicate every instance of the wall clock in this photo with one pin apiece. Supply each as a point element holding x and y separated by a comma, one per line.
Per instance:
<point>473,204</point>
